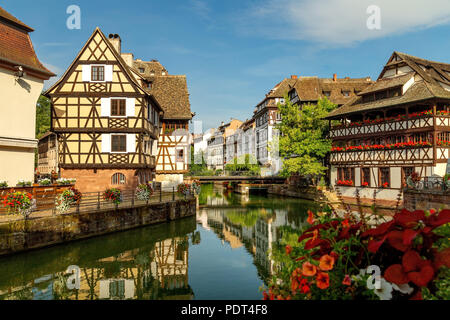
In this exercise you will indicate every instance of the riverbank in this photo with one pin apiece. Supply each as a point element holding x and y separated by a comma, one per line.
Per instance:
<point>38,232</point>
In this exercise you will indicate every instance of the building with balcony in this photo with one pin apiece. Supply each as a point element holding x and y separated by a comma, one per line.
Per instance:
<point>398,125</point>
<point>22,78</point>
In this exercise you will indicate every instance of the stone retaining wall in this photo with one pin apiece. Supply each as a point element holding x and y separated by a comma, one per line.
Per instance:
<point>23,235</point>
<point>423,200</point>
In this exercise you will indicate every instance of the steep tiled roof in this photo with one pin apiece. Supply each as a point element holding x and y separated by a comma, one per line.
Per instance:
<point>310,89</point>
<point>150,67</point>
<point>16,47</point>
<point>428,75</point>
<point>6,16</point>
<point>172,94</point>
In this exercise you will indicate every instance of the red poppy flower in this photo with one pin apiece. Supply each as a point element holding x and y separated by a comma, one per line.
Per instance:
<point>322,280</point>
<point>308,269</point>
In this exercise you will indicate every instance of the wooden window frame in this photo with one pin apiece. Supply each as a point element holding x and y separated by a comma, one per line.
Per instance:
<point>95,75</point>
<point>117,106</point>
<point>179,155</point>
<point>404,175</point>
<point>380,177</point>
<point>364,177</point>
<point>116,179</point>
<point>112,143</point>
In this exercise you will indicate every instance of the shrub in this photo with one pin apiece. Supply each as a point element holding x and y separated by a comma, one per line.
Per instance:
<point>3,184</point>
<point>65,182</point>
<point>114,195</point>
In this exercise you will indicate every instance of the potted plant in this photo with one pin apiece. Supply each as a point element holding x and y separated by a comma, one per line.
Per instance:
<point>45,182</point>
<point>23,183</point>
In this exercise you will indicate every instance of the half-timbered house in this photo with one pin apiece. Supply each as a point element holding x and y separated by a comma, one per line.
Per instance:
<point>107,123</point>
<point>397,126</point>
<point>171,91</point>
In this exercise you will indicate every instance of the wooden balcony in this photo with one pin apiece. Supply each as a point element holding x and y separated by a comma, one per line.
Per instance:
<point>391,157</point>
<point>412,124</point>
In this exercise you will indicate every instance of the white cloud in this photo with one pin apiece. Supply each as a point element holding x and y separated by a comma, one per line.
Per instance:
<point>341,22</point>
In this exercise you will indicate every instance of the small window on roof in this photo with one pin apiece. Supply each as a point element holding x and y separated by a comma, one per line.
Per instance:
<point>142,70</point>
<point>346,93</point>
<point>327,93</point>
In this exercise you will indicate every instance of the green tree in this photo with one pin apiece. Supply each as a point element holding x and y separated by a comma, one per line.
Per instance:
<point>43,110</point>
<point>303,141</point>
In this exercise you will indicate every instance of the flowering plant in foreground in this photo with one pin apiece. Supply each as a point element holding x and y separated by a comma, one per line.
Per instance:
<point>144,192</point>
<point>67,199</point>
<point>330,260</point>
<point>114,195</point>
<point>18,202</point>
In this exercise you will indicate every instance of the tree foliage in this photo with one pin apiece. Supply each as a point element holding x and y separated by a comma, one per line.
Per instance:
<point>43,110</point>
<point>303,141</point>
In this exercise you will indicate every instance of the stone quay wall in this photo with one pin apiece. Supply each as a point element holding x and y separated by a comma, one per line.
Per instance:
<point>423,200</point>
<point>33,233</point>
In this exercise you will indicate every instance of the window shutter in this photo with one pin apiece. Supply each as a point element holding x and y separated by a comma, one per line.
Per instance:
<point>109,73</point>
<point>131,143</point>
<point>86,73</point>
<point>106,107</point>
<point>131,102</point>
<point>106,143</point>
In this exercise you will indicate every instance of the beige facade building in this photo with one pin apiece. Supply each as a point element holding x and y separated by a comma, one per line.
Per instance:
<point>21,82</point>
<point>48,154</point>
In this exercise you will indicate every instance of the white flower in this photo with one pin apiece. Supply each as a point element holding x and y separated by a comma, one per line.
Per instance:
<point>403,288</point>
<point>385,291</point>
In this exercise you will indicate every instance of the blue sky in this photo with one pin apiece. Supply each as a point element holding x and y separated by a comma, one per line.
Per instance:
<point>233,52</point>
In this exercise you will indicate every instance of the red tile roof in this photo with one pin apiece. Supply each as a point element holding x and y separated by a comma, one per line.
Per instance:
<point>16,47</point>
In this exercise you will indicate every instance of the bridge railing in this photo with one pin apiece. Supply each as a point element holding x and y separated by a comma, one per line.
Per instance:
<point>95,201</point>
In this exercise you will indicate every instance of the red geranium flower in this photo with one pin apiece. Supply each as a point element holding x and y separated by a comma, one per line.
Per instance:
<point>288,249</point>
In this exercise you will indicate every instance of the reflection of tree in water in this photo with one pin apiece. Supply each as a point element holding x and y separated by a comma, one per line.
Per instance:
<point>247,218</point>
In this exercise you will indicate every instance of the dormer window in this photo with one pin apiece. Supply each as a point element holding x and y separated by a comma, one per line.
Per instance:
<point>142,70</point>
<point>327,94</point>
<point>346,93</point>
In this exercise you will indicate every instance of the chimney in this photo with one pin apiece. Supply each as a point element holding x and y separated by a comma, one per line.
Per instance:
<point>335,77</point>
<point>116,42</point>
<point>294,77</point>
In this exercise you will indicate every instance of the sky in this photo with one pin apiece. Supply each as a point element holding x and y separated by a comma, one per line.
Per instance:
<point>234,52</point>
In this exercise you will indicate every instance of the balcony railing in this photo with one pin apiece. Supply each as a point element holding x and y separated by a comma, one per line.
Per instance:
<point>389,126</point>
<point>418,155</point>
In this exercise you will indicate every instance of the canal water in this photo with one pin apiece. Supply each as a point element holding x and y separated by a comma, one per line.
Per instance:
<point>226,252</point>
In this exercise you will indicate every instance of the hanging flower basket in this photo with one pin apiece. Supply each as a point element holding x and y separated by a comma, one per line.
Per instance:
<point>183,189</point>
<point>19,203</point>
<point>144,192</point>
<point>114,195</point>
<point>196,187</point>
<point>67,199</point>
